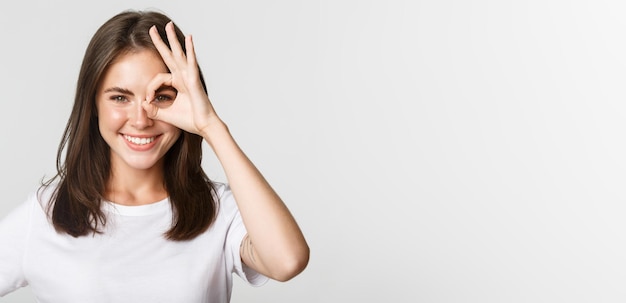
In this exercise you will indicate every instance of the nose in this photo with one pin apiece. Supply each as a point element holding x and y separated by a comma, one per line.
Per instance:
<point>139,119</point>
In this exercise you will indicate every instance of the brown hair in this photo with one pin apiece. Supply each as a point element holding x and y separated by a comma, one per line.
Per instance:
<point>82,177</point>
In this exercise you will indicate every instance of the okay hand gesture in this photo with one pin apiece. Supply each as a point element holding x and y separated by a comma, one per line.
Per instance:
<point>191,110</point>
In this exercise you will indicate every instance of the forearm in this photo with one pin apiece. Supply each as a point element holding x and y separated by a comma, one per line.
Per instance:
<point>276,246</point>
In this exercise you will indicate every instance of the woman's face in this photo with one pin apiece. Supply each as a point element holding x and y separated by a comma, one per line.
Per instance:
<point>136,142</point>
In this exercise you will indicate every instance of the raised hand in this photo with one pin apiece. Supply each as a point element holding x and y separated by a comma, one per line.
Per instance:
<point>191,110</point>
<point>274,246</point>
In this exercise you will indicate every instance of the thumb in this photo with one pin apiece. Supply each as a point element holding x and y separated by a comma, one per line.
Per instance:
<point>152,111</point>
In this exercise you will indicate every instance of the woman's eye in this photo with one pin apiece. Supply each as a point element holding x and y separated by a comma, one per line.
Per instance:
<point>118,98</point>
<point>163,98</point>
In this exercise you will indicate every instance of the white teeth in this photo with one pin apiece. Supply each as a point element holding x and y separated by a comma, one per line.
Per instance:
<point>139,141</point>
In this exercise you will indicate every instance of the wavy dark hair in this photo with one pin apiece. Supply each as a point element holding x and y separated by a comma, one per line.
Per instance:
<point>82,175</point>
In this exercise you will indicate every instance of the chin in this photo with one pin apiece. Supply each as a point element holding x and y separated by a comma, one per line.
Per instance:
<point>143,164</point>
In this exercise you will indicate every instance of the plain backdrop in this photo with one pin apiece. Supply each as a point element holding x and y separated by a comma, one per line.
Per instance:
<point>432,151</point>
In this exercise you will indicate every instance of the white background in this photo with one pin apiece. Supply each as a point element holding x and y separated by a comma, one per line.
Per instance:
<point>432,151</point>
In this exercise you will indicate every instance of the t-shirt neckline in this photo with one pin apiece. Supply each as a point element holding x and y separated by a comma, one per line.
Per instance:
<point>136,210</point>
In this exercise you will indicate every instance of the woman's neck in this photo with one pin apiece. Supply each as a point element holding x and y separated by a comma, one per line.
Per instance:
<point>136,186</point>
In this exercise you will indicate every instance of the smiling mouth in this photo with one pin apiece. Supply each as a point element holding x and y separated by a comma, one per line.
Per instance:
<point>139,141</point>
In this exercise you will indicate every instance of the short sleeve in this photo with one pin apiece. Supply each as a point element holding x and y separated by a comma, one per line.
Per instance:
<point>236,232</point>
<point>14,230</point>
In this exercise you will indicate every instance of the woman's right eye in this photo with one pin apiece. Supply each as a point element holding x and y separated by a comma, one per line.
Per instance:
<point>118,98</point>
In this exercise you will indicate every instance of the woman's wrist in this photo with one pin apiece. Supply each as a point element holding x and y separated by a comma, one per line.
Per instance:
<point>215,131</point>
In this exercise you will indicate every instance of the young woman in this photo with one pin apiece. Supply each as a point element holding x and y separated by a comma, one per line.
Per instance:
<point>131,216</point>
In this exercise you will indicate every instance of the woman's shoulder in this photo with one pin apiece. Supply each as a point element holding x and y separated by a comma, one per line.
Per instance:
<point>35,203</point>
<point>45,194</point>
<point>227,205</point>
<point>219,188</point>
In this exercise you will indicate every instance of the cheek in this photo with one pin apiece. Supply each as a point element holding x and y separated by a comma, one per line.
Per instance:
<point>174,131</point>
<point>111,117</point>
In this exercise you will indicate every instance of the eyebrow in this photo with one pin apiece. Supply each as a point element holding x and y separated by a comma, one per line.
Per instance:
<point>125,91</point>
<point>118,90</point>
<point>166,87</point>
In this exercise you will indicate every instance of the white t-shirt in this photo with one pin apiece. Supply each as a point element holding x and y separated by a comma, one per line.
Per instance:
<point>130,262</point>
